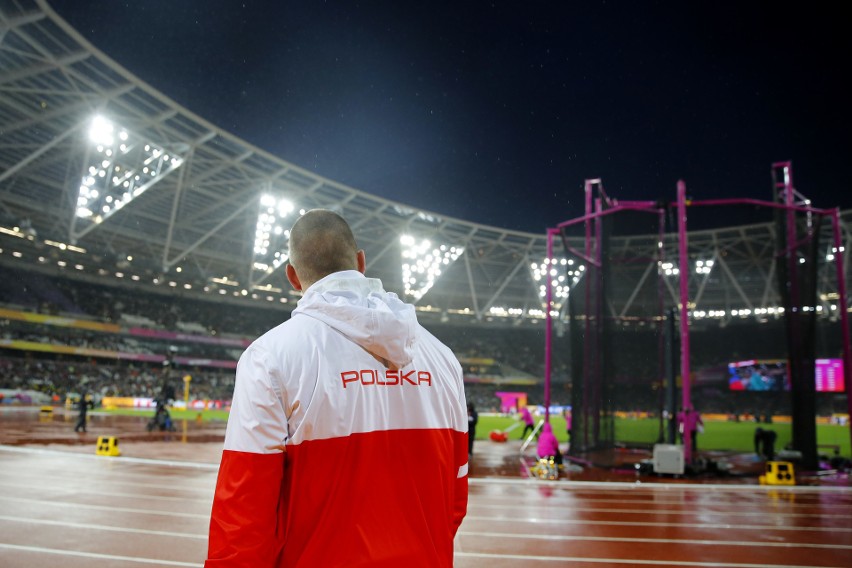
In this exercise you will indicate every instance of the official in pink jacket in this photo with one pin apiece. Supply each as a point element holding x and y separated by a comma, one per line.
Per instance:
<point>529,423</point>
<point>347,439</point>
<point>690,421</point>
<point>548,445</point>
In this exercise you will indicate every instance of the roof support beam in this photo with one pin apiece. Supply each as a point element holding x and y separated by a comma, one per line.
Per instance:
<point>168,263</point>
<point>38,153</point>
<point>636,289</point>
<point>734,283</point>
<point>175,204</point>
<point>473,298</point>
<point>58,64</point>
<point>523,262</point>
<point>65,110</point>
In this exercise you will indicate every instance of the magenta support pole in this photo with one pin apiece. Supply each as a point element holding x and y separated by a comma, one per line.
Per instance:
<point>842,307</point>
<point>599,312</point>
<point>548,331</point>
<point>684,318</point>
<point>586,353</point>
<point>770,204</point>
<point>792,265</point>
<point>647,206</point>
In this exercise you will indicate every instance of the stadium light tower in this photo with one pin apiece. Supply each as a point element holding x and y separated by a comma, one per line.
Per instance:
<point>120,166</point>
<point>423,262</point>
<point>704,266</point>
<point>271,239</point>
<point>563,274</point>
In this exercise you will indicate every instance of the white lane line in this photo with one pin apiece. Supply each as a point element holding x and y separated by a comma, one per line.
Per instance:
<point>726,526</point>
<point>88,526</point>
<point>843,502</point>
<point>572,496</point>
<point>103,507</point>
<point>63,552</point>
<point>640,487</point>
<point>120,479</point>
<point>563,559</point>
<point>485,534</point>
<point>701,511</point>
<point>755,502</point>
<point>112,459</point>
<point>527,483</point>
<point>88,490</point>
<point>758,544</point>
<point>134,474</point>
<point>577,559</point>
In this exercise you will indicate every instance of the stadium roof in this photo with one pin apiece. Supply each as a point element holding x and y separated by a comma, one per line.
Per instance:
<point>93,159</point>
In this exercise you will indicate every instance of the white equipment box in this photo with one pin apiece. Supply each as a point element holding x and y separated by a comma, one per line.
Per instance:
<point>668,458</point>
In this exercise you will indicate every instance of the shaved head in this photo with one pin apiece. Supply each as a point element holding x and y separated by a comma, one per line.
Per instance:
<point>321,243</point>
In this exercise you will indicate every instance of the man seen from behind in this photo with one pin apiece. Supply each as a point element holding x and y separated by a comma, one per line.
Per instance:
<point>347,439</point>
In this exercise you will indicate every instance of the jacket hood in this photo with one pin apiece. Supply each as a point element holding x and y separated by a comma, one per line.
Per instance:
<point>359,308</point>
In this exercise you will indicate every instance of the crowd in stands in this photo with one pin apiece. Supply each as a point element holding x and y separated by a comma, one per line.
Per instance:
<point>73,337</point>
<point>633,366</point>
<point>170,308</point>
<point>100,378</point>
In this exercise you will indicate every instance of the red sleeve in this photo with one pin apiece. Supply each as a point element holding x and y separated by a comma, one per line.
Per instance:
<point>244,520</point>
<point>460,490</point>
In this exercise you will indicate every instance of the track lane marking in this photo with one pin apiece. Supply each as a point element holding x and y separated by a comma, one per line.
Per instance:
<point>110,528</point>
<point>578,559</point>
<point>635,540</point>
<point>104,507</point>
<point>670,511</point>
<point>481,534</point>
<point>87,490</point>
<point>538,520</point>
<point>65,552</point>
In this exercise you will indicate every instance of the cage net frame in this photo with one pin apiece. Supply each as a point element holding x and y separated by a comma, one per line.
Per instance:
<point>591,320</point>
<point>797,223</point>
<point>591,331</point>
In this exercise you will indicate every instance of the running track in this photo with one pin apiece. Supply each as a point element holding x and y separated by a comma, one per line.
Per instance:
<point>79,510</point>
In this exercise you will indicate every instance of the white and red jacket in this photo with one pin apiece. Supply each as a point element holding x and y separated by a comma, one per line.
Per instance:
<point>346,443</point>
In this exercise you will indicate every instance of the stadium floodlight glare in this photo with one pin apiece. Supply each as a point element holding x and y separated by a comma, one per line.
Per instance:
<point>423,263</point>
<point>703,266</point>
<point>669,269</point>
<point>271,239</point>
<point>101,131</point>
<point>834,250</point>
<point>563,274</point>
<point>121,167</point>
<point>500,311</point>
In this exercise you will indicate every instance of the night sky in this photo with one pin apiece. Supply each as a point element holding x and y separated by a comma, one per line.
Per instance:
<point>496,112</point>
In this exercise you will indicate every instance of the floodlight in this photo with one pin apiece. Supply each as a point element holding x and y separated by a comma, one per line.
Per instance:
<point>669,269</point>
<point>100,131</point>
<point>703,266</point>
<point>423,263</point>
<point>557,270</point>
<point>270,237</point>
<point>112,179</point>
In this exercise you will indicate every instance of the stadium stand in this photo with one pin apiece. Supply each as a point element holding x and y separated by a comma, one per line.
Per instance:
<point>176,267</point>
<point>61,333</point>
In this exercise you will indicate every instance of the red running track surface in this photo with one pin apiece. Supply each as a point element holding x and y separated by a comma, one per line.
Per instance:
<point>79,510</point>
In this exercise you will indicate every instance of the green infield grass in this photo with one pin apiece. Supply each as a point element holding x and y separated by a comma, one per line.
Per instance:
<point>175,413</point>
<point>733,436</point>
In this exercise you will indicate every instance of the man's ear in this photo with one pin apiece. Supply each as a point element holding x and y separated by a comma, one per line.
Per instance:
<point>362,261</point>
<point>293,278</point>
